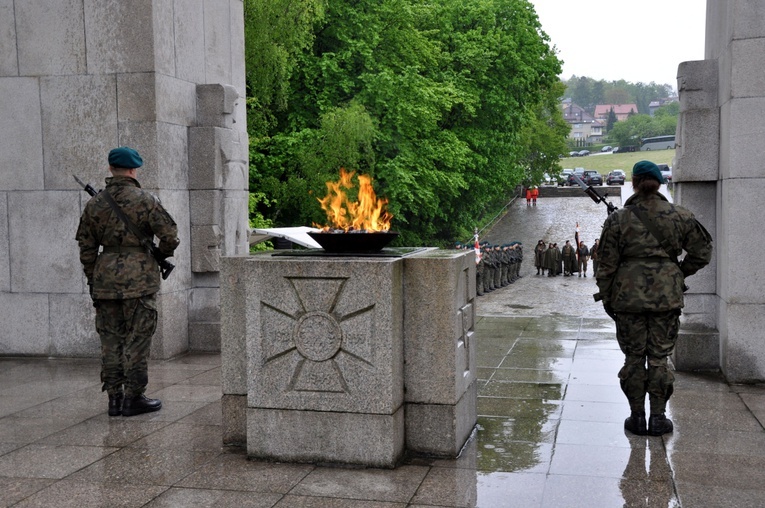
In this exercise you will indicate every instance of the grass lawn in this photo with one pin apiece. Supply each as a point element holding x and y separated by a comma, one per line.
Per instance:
<point>607,162</point>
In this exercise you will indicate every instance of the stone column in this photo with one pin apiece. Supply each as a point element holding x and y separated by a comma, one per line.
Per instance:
<point>695,177</point>
<point>218,196</point>
<point>735,45</point>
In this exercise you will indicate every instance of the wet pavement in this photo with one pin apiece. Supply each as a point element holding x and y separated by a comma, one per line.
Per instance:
<point>550,428</point>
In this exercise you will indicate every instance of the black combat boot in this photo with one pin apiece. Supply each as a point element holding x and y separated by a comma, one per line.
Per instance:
<point>140,404</point>
<point>115,404</point>
<point>636,423</point>
<point>659,425</point>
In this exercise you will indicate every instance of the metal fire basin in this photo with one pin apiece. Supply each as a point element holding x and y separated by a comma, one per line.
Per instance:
<point>353,243</point>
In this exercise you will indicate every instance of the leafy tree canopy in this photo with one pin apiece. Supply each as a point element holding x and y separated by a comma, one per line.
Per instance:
<point>636,127</point>
<point>448,104</point>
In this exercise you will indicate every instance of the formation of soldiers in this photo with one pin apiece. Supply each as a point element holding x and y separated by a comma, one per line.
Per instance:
<point>566,261</point>
<point>497,266</point>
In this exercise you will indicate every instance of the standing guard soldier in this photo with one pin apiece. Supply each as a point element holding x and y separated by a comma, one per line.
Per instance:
<point>641,283</point>
<point>124,278</point>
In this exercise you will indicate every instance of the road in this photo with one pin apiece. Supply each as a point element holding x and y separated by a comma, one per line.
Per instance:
<point>552,220</point>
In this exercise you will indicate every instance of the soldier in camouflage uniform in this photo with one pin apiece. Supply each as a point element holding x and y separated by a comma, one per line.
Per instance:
<point>499,257</point>
<point>518,247</point>
<point>568,254</point>
<point>124,279</point>
<point>539,257</point>
<point>641,285</point>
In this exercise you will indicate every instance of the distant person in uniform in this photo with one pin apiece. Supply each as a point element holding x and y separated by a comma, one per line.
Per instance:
<point>124,278</point>
<point>569,259</point>
<point>594,256</point>
<point>539,257</point>
<point>583,254</point>
<point>641,283</point>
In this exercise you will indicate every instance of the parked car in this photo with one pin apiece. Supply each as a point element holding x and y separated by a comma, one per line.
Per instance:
<point>616,176</point>
<point>578,172</point>
<point>592,178</point>
<point>573,154</point>
<point>583,153</point>
<point>563,177</point>
<point>607,148</point>
<point>666,172</point>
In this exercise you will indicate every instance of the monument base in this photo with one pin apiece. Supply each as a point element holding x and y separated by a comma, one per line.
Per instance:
<point>324,436</point>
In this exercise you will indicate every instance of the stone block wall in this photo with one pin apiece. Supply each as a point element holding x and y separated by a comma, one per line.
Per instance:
<point>77,78</point>
<point>719,176</point>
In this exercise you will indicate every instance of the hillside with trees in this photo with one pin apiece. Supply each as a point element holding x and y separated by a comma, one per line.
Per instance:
<point>588,92</point>
<point>448,104</point>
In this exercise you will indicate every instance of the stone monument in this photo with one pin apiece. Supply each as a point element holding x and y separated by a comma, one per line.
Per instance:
<point>349,359</point>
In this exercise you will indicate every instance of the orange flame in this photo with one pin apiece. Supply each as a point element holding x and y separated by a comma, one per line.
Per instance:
<point>367,213</point>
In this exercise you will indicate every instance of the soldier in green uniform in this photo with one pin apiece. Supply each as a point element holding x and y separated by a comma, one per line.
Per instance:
<point>568,255</point>
<point>641,284</point>
<point>539,257</point>
<point>124,279</point>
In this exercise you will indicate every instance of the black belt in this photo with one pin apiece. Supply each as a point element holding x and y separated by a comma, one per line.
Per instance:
<point>123,249</point>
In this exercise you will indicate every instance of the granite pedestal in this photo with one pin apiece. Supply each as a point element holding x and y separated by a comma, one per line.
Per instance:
<point>348,359</point>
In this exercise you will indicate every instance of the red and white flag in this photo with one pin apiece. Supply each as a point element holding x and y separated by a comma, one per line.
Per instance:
<point>477,250</point>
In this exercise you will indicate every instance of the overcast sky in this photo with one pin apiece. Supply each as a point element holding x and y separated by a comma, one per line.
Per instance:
<point>638,41</point>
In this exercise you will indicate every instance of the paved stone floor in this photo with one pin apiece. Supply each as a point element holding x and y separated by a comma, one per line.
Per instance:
<point>549,432</point>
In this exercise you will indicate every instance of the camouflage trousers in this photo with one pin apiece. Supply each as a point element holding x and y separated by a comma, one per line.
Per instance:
<point>647,339</point>
<point>126,328</point>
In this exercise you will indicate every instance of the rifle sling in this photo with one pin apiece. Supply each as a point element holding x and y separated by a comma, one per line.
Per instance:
<point>656,232</point>
<point>124,218</point>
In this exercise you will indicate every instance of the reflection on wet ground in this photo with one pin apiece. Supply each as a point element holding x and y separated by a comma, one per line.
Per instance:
<point>549,434</point>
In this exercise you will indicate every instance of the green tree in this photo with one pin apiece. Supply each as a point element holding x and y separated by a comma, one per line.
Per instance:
<point>432,99</point>
<point>580,91</point>
<point>611,121</point>
<point>636,127</point>
<point>545,137</point>
<point>276,32</point>
<point>671,109</point>
<point>617,96</point>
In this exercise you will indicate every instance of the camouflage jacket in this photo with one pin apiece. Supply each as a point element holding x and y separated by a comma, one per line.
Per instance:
<point>135,273</point>
<point>635,274</point>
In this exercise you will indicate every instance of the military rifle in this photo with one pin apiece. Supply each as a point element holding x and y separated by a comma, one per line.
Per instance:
<point>590,191</point>
<point>165,266</point>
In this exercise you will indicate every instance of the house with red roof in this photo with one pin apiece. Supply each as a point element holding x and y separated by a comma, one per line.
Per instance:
<point>622,111</point>
<point>585,129</point>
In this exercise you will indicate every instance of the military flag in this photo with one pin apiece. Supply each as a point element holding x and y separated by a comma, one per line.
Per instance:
<point>576,239</point>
